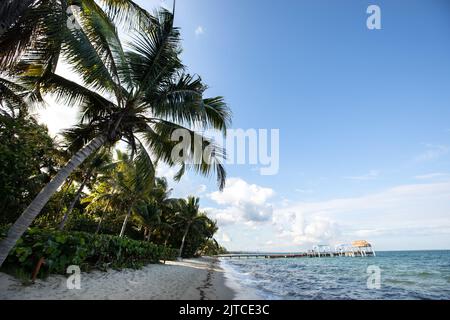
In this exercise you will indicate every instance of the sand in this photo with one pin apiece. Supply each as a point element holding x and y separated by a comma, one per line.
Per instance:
<point>190,279</point>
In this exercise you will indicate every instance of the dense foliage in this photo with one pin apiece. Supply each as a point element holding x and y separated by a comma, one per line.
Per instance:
<point>108,205</point>
<point>28,157</point>
<point>212,248</point>
<point>88,251</point>
<point>153,232</point>
<point>91,238</point>
<point>136,95</point>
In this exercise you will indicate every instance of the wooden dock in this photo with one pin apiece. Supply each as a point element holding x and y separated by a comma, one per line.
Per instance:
<point>308,254</point>
<point>359,248</point>
<point>294,255</point>
<point>263,255</point>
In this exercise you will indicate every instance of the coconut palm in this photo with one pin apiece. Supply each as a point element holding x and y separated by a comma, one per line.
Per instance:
<point>139,96</point>
<point>100,164</point>
<point>151,214</point>
<point>131,184</point>
<point>36,31</point>
<point>15,99</point>
<point>189,217</point>
<point>99,200</point>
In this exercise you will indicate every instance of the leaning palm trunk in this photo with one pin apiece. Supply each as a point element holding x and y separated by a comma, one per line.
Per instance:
<point>99,224</point>
<point>149,234</point>
<point>75,200</point>
<point>30,213</point>
<point>183,240</point>
<point>102,217</point>
<point>124,225</point>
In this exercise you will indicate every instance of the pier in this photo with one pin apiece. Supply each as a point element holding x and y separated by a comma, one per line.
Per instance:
<point>262,255</point>
<point>359,248</point>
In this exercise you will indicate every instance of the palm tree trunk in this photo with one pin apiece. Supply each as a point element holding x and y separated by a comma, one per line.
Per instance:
<point>184,239</point>
<point>74,201</point>
<point>66,189</point>
<point>30,213</point>
<point>103,216</point>
<point>124,225</point>
<point>149,234</point>
<point>146,231</point>
<point>166,240</point>
<point>99,224</point>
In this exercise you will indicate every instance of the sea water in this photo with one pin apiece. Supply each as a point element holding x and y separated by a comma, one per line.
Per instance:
<point>403,275</point>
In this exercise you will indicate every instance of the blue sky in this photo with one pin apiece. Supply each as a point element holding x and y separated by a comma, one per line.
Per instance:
<point>363,118</point>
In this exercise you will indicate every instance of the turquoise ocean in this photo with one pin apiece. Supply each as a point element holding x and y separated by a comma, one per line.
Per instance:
<point>402,274</point>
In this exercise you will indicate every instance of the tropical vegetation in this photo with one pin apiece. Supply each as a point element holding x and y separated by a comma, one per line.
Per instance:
<point>92,195</point>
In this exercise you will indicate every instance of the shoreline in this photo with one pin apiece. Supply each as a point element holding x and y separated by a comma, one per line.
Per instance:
<point>189,279</point>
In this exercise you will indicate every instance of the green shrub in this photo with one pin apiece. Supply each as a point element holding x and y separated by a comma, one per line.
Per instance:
<point>88,251</point>
<point>87,223</point>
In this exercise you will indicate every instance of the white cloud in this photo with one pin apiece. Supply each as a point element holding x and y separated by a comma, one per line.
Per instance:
<point>298,229</point>
<point>373,174</point>
<point>225,237</point>
<point>57,117</point>
<point>165,171</point>
<point>242,202</point>
<point>416,210</point>
<point>430,176</point>
<point>223,216</point>
<point>199,31</point>
<point>183,188</point>
<point>238,191</point>
<point>412,216</point>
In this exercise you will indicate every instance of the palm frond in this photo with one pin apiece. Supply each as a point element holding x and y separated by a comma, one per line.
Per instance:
<point>183,102</point>
<point>128,14</point>
<point>79,135</point>
<point>15,96</point>
<point>145,170</point>
<point>103,35</point>
<point>88,59</point>
<point>159,139</point>
<point>218,114</point>
<point>73,94</point>
<point>154,54</point>
<point>32,34</point>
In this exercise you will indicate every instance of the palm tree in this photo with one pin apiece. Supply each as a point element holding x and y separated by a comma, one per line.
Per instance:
<point>15,99</point>
<point>151,215</point>
<point>138,96</point>
<point>189,217</point>
<point>99,199</point>
<point>101,163</point>
<point>37,30</point>
<point>131,183</point>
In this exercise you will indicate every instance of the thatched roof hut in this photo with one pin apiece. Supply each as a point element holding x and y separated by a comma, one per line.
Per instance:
<point>361,243</point>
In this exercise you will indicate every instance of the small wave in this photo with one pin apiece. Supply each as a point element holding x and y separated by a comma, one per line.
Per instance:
<point>427,274</point>
<point>399,281</point>
<point>408,278</point>
<point>241,283</point>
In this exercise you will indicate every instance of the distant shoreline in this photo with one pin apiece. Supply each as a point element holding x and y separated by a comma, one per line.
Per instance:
<point>190,279</point>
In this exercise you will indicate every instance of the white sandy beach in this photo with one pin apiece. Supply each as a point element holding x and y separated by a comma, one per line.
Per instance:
<point>190,279</point>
